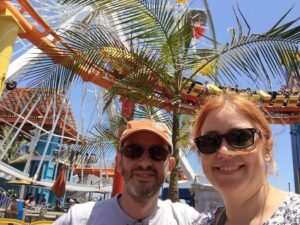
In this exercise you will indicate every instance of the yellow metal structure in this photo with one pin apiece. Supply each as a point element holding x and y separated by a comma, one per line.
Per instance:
<point>6,221</point>
<point>9,30</point>
<point>42,222</point>
<point>182,1</point>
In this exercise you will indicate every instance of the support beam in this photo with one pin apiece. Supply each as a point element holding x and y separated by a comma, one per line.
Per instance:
<point>9,30</point>
<point>127,111</point>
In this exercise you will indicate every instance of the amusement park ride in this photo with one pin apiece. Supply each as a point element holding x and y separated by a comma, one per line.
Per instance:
<point>278,107</point>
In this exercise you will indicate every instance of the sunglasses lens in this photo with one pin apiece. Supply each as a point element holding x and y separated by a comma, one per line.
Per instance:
<point>236,138</point>
<point>209,143</point>
<point>133,151</point>
<point>240,138</point>
<point>158,153</point>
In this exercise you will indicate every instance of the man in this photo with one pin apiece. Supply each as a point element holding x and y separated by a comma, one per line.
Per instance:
<point>144,160</point>
<point>15,210</point>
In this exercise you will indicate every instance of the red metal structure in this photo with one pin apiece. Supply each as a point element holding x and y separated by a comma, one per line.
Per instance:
<point>96,171</point>
<point>15,101</point>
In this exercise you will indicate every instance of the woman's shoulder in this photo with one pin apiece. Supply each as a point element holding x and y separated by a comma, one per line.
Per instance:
<point>288,211</point>
<point>293,201</point>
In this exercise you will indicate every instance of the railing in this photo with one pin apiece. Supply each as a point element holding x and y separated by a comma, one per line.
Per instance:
<point>5,199</point>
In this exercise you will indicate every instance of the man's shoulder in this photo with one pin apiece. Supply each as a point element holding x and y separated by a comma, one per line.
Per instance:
<point>81,214</point>
<point>89,206</point>
<point>82,210</point>
<point>181,212</point>
<point>177,205</point>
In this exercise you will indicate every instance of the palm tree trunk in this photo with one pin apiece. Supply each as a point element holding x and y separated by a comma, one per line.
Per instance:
<point>173,193</point>
<point>127,111</point>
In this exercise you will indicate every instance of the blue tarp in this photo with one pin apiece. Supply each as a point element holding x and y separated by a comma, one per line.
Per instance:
<point>184,193</point>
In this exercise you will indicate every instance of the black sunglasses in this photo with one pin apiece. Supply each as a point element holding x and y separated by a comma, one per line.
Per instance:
<point>156,152</point>
<point>236,138</point>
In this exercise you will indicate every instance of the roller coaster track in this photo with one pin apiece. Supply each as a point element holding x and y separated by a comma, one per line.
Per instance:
<point>278,109</point>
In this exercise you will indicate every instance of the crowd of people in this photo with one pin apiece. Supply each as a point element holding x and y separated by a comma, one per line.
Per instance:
<point>16,207</point>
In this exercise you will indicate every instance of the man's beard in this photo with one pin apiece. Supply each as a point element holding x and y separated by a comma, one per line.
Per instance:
<point>139,192</point>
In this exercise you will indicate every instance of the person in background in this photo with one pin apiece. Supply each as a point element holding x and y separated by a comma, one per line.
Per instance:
<point>43,200</point>
<point>30,203</point>
<point>144,160</point>
<point>57,204</point>
<point>15,210</point>
<point>235,145</point>
<point>12,211</point>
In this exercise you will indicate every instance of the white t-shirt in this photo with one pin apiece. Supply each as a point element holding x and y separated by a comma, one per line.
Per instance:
<point>108,212</point>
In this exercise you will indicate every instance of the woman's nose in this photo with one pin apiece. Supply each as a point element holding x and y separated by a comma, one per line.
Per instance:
<point>224,150</point>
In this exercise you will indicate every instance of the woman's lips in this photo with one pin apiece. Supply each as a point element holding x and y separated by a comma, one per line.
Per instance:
<point>227,170</point>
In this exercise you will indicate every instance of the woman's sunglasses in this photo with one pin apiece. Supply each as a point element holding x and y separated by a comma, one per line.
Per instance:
<point>236,138</point>
<point>156,152</point>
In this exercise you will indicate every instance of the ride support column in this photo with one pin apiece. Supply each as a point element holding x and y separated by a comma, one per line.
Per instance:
<point>9,29</point>
<point>127,111</point>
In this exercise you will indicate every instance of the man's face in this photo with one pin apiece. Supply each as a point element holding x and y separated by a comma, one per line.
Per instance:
<point>144,176</point>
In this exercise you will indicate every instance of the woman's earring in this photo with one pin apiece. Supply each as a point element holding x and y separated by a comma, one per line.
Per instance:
<point>268,157</point>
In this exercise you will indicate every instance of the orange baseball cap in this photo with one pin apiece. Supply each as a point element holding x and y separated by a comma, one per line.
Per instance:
<point>160,129</point>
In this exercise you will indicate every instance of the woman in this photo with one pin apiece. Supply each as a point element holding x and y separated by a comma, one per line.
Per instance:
<point>30,203</point>
<point>234,142</point>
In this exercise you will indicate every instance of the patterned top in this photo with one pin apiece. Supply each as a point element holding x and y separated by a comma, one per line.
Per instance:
<point>288,213</point>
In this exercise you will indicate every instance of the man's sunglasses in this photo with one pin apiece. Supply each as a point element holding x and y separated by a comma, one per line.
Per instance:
<point>156,152</point>
<point>236,138</point>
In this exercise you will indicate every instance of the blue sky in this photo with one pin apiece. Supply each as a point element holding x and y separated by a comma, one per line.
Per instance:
<point>261,15</point>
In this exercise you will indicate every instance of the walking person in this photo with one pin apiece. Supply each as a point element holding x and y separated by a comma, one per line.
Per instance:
<point>144,160</point>
<point>235,145</point>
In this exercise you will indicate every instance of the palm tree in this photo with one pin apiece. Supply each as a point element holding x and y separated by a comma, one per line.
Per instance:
<point>14,154</point>
<point>147,56</point>
<point>104,137</point>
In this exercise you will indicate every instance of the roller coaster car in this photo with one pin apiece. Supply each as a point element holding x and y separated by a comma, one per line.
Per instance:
<point>293,101</point>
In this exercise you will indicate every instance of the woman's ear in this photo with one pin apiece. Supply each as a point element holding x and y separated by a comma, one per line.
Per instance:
<point>268,149</point>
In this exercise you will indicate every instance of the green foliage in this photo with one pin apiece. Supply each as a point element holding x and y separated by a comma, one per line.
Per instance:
<point>13,155</point>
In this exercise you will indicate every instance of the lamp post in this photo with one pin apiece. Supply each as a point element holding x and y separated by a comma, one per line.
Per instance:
<point>193,190</point>
<point>295,137</point>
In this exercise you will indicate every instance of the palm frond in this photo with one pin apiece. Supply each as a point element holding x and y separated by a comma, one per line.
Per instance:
<point>260,58</point>
<point>95,3</point>
<point>106,136</point>
<point>149,112</point>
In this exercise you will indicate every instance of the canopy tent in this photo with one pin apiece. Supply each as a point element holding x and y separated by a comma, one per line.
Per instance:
<point>15,176</point>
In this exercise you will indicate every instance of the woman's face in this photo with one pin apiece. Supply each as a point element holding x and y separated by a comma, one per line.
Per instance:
<point>233,174</point>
